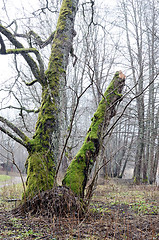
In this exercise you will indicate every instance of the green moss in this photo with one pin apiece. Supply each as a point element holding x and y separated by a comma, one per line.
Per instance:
<point>135,180</point>
<point>75,177</point>
<point>41,158</point>
<point>41,171</point>
<point>94,130</point>
<point>40,163</point>
<point>67,154</point>
<point>45,124</point>
<point>65,10</point>
<point>49,110</point>
<point>77,172</point>
<point>56,67</point>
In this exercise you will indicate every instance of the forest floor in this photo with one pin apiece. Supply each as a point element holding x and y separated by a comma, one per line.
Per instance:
<point>118,210</point>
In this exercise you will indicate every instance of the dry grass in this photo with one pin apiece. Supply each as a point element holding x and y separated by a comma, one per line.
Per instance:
<point>12,191</point>
<point>116,192</point>
<point>118,210</point>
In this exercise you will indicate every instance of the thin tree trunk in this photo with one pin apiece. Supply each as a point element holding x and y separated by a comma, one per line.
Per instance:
<point>152,103</point>
<point>128,153</point>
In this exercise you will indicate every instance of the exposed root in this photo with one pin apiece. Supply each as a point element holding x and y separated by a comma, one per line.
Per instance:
<point>59,201</point>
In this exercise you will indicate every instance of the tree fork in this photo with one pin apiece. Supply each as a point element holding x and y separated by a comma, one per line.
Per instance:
<point>77,173</point>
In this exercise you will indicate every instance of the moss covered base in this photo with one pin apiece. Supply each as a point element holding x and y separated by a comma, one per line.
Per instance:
<point>41,172</point>
<point>59,201</point>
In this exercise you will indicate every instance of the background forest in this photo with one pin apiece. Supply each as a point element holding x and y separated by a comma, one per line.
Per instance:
<point>108,37</point>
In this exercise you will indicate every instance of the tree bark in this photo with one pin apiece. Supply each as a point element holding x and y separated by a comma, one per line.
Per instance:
<point>44,145</point>
<point>77,173</point>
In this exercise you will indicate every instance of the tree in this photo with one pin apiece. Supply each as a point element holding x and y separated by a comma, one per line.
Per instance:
<point>41,161</point>
<point>137,16</point>
<point>43,146</point>
<point>150,163</point>
<point>140,31</point>
<point>77,173</point>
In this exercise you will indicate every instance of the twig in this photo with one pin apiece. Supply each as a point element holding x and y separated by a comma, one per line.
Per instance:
<point>14,163</point>
<point>138,95</point>
<point>70,130</point>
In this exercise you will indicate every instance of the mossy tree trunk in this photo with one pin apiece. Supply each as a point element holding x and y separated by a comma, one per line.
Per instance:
<point>43,147</point>
<point>77,173</point>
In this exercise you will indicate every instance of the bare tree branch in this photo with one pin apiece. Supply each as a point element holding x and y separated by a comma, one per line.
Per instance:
<point>70,130</point>
<point>42,9</point>
<point>13,136</point>
<point>31,83</point>
<point>21,108</point>
<point>14,128</point>
<point>138,95</point>
<point>3,47</point>
<point>37,39</point>
<point>38,74</point>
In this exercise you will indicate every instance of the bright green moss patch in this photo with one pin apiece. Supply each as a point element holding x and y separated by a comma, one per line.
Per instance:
<point>77,173</point>
<point>21,50</point>
<point>99,115</point>
<point>75,176</point>
<point>41,172</point>
<point>87,146</point>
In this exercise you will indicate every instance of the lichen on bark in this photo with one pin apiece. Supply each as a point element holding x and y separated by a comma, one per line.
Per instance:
<point>77,173</point>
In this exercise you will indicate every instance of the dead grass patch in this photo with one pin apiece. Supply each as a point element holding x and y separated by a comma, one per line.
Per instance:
<point>118,211</point>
